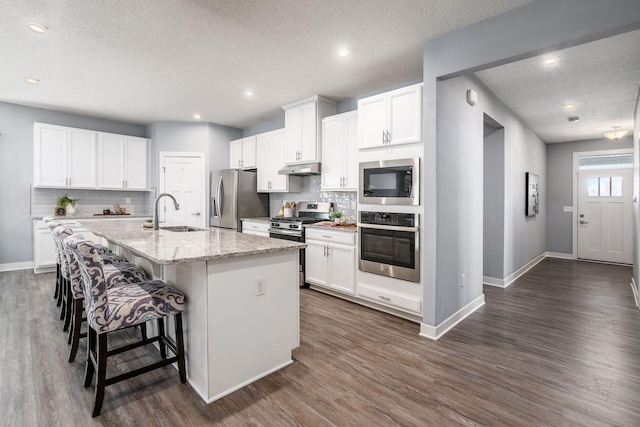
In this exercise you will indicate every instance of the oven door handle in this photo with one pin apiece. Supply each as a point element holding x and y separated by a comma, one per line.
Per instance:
<point>286,232</point>
<point>388,227</point>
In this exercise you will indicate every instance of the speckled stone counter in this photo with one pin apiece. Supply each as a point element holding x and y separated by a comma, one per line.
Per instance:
<point>171,247</point>
<point>325,225</point>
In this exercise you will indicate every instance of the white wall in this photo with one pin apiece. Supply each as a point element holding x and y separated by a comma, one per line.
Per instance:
<point>636,195</point>
<point>493,203</point>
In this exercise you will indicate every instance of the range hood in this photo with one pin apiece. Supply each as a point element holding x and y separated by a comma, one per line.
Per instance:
<point>301,169</point>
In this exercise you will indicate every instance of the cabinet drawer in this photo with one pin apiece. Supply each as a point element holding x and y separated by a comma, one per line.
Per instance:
<point>255,227</point>
<point>402,302</point>
<point>331,236</point>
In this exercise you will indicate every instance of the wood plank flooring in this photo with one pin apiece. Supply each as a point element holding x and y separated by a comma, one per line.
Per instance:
<point>560,347</point>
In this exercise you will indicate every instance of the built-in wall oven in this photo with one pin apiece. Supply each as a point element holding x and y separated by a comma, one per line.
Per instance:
<point>390,182</point>
<point>389,244</point>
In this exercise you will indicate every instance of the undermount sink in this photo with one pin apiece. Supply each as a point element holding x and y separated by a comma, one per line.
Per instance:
<point>182,228</point>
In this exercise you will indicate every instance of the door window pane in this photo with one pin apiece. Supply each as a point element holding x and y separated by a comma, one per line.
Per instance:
<point>616,186</point>
<point>605,186</point>
<point>616,161</point>
<point>593,186</point>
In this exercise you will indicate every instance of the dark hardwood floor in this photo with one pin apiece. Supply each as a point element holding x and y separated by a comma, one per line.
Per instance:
<point>559,347</point>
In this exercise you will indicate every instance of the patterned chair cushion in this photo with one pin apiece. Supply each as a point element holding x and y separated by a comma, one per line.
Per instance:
<point>124,305</point>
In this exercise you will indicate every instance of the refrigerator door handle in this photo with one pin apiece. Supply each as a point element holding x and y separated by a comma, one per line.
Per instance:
<point>219,206</point>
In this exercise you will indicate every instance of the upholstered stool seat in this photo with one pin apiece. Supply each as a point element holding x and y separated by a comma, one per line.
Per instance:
<point>111,308</point>
<point>115,273</point>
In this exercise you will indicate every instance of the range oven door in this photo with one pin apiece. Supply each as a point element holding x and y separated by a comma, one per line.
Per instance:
<point>295,236</point>
<point>389,251</point>
<point>390,182</point>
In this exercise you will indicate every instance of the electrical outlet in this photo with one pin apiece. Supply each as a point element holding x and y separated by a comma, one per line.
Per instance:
<point>462,280</point>
<point>128,200</point>
<point>260,286</point>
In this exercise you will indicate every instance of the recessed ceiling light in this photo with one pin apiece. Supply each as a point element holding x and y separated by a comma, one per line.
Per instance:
<point>550,60</point>
<point>570,106</point>
<point>343,51</point>
<point>249,93</point>
<point>32,80</point>
<point>573,119</point>
<point>197,116</point>
<point>36,28</point>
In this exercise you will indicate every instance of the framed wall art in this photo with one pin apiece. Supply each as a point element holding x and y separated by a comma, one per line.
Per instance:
<point>533,195</point>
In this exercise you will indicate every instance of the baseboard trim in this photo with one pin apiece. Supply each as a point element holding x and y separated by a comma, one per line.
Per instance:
<point>634,288</point>
<point>503,283</point>
<point>492,281</point>
<point>561,255</point>
<point>16,266</point>
<point>437,332</point>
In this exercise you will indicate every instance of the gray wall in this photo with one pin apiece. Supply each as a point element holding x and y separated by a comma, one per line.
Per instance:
<point>208,138</point>
<point>16,170</point>
<point>636,195</point>
<point>535,28</point>
<point>560,188</point>
<point>493,203</point>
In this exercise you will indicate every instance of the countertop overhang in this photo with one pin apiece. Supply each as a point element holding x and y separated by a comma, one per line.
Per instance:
<point>170,247</point>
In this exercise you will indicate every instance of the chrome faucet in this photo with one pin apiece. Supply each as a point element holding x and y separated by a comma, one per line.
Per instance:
<point>155,214</point>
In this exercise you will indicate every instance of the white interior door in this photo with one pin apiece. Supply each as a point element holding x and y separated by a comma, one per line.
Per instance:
<point>605,210</point>
<point>182,176</point>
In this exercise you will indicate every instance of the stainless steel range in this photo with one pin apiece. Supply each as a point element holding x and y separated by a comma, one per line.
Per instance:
<point>292,228</point>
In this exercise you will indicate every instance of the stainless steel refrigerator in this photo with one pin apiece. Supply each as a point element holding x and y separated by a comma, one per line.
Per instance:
<point>234,195</point>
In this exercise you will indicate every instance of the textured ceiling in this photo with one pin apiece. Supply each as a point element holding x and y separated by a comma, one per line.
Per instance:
<point>143,61</point>
<point>602,78</point>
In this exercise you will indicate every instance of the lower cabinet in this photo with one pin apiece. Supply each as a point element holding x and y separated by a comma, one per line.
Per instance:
<point>256,228</point>
<point>331,260</point>
<point>44,248</point>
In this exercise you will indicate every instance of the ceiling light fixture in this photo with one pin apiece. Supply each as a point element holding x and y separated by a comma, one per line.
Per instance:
<point>550,61</point>
<point>32,80</point>
<point>248,93</point>
<point>343,51</point>
<point>36,28</point>
<point>616,134</point>
<point>570,106</point>
<point>197,116</point>
<point>573,119</point>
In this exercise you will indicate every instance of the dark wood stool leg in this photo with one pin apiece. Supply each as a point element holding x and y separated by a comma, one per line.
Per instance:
<point>57,291</point>
<point>67,306</point>
<point>63,286</point>
<point>180,347</point>
<point>91,348</point>
<point>101,374</point>
<point>161,344</point>
<point>74,333</point>
<point>143,331</point>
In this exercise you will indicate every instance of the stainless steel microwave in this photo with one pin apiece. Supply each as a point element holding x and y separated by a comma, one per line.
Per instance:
<point>390,182</point>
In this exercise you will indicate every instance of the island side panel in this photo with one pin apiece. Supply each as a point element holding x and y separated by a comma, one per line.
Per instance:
<point>250,335</point>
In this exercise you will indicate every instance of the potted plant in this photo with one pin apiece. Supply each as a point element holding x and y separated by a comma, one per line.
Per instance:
<point>69,203</point>
<point>337,217</point>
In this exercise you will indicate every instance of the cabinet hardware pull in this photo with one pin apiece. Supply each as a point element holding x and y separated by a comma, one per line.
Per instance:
<point>384,298</point>
<point>384,137</point>
<point>388,138</point>
<point>326,237</point>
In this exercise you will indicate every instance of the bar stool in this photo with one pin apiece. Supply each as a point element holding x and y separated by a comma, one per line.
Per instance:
<point>114,274</point>
<point>119,307</point>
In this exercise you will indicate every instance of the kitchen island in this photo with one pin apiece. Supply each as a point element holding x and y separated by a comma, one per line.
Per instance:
<point>242,304</point>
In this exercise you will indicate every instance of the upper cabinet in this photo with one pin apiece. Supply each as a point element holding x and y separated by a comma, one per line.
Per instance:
<point>63,157</point>
<point>270,156</point>
<point>242,153</point>
<point>302,123</point>
<point>339,152</point>
<point>391,118</point>
<point>119,162</point>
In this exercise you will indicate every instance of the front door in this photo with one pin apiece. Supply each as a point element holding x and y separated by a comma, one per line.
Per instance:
<point>182,177</point>
<point>605,210</point>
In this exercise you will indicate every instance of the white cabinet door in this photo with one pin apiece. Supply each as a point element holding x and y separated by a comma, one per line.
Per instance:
<point>263,148</point>
<point>235,154</point>
<point>49,156</point>
<point>255,228</point>
<point>82,155</point>
<point>350,182</point>
<point>249,152</point>
<point>333,133</point>
<point>270,159</point>
<point>111,161</point>
<point>44,248</point>
<point>309,143</point>
<point>372,121</point>
<point>316,262</point>
<point>404,120</point>
<point>293,131</point>
<point>278,182</point>
<point>135,163</point>
<point>342,268</point>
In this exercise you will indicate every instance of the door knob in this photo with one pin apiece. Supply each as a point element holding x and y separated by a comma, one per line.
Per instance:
<point>583,222</point>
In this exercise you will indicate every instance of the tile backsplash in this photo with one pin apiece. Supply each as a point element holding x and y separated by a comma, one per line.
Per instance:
<point>44,200</point>
<point>344,201</point>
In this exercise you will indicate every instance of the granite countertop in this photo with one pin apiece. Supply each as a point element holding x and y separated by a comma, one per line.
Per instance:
<point>258,219</point>
<point>91,216</point>
<point>330,226</point>
<point>169,247</point>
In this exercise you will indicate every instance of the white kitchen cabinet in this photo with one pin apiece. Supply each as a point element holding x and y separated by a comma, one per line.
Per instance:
<point>44,248</point>
<point>270,159</point>
<point>331,259</point>
<point>302,123</point>
<point>63,157</point>
<point>390,118</point>
<point>122,162</point>
<point>256,228</point>
<point>339,152</point>
<point>242,153</point>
